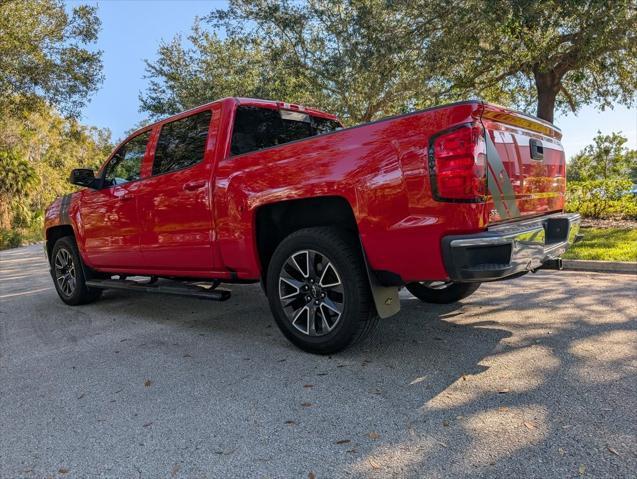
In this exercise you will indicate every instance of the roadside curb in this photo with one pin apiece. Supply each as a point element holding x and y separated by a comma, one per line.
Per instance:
<point>600,266</point>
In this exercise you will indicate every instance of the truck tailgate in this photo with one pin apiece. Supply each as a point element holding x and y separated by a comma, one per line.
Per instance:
<point>526,173</point>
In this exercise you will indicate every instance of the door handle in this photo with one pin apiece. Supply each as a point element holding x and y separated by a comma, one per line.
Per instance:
<point>195,185</point>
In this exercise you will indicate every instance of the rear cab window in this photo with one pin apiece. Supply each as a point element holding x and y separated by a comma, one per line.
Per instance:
<point>181,143</point>
<point>257,128</point>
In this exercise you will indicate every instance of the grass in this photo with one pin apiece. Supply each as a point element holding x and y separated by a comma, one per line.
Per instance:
<point>606,244</point>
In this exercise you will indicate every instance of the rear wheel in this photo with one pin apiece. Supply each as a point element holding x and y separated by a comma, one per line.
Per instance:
<point>318,290</point>
<point>68,274</point>
<point>441,292</point>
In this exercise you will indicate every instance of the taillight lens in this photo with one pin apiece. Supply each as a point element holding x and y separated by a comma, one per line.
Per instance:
<point>458,161</point>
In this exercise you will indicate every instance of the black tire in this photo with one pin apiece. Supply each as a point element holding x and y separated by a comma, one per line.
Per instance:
<point>443,294</point>
<point>73,291</point>
<point>335,256</point>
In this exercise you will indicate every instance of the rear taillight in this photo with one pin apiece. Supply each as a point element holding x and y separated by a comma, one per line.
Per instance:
<point>457,164</point>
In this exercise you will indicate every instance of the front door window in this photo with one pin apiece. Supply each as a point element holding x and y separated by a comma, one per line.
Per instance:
<point>126,163</point>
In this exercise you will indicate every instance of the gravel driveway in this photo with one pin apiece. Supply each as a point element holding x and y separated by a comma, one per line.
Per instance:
<point>535,377</point>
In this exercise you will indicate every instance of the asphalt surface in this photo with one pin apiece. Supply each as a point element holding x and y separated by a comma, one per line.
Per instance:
<point>535,377</point>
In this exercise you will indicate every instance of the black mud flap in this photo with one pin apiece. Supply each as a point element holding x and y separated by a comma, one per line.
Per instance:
<point>386,298</point>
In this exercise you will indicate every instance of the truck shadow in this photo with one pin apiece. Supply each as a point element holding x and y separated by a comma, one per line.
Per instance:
<point>419,334</point>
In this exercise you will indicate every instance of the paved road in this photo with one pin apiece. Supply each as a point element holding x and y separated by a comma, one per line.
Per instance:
<point>535,377</point>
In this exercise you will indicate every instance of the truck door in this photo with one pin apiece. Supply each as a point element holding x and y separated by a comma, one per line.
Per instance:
<point>109,215</point>
<point>176,200</point>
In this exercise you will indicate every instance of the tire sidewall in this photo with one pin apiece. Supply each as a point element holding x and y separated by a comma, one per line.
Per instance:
<point>348,323</point>
<point>80,292</point>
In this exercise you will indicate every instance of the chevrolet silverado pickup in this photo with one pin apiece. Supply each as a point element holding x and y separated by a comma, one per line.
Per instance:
<point>332,221</point>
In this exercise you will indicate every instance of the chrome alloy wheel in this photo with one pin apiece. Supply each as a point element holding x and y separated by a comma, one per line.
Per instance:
<point>311,292</point>
<point>65,274</point>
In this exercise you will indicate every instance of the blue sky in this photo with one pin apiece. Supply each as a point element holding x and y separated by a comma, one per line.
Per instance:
<point>132,30</point>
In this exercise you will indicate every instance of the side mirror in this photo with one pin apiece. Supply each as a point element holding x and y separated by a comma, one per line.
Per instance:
<point>83,177</point>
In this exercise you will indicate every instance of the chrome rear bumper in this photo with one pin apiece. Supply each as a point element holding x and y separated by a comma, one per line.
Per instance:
<point>509,249</point>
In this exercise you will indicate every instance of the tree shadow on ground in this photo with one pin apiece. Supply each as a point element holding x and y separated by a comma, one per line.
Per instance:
<point>551,400</point>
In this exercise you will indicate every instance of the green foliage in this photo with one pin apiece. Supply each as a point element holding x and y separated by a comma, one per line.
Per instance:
<point>606,244</point>
<point>364,59</point>
<point>17,236</point>
<point>49,66</point>
<point>47,55</point>
<point>38,149</point>
<point>184,77</point>
<point>16,177</point>
<point>602,198</point>
<point>600,177</point>
<point>606,158</point>
<point>555,53</point>
<point>356,59</point>
<point>10,238</point>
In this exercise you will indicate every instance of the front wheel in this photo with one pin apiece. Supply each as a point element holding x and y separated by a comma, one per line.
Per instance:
<point>442,292</point>
<point>318,290</point>
<point>68,274</point>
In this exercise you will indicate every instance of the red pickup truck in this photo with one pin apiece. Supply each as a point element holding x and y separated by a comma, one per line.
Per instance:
<point>332,221</point>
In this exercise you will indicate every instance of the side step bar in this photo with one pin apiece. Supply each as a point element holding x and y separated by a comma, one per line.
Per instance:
<point>179,289</point>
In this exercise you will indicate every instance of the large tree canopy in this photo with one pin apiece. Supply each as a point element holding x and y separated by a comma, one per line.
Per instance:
<point>47,54</point>
<point>354,58</point>
<point>359,56</point>
<point>210,68</point>
<point>363,59</point>
<point>558,54</point>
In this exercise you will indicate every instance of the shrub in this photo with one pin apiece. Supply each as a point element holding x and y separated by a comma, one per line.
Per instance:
<point>601,198</point>
<point>22,233</point>
<point>9,238</point>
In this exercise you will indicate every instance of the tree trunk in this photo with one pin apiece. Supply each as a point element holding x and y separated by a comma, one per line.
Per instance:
<point>548,86</point>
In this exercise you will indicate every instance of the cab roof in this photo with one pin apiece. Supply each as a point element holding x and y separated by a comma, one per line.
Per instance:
<point>284,106</point>
<point>238,101</point>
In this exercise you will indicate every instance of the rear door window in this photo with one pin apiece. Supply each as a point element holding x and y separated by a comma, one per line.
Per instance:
<point>258,128</point>
<point>126,163</point>
<point>181,143</point>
